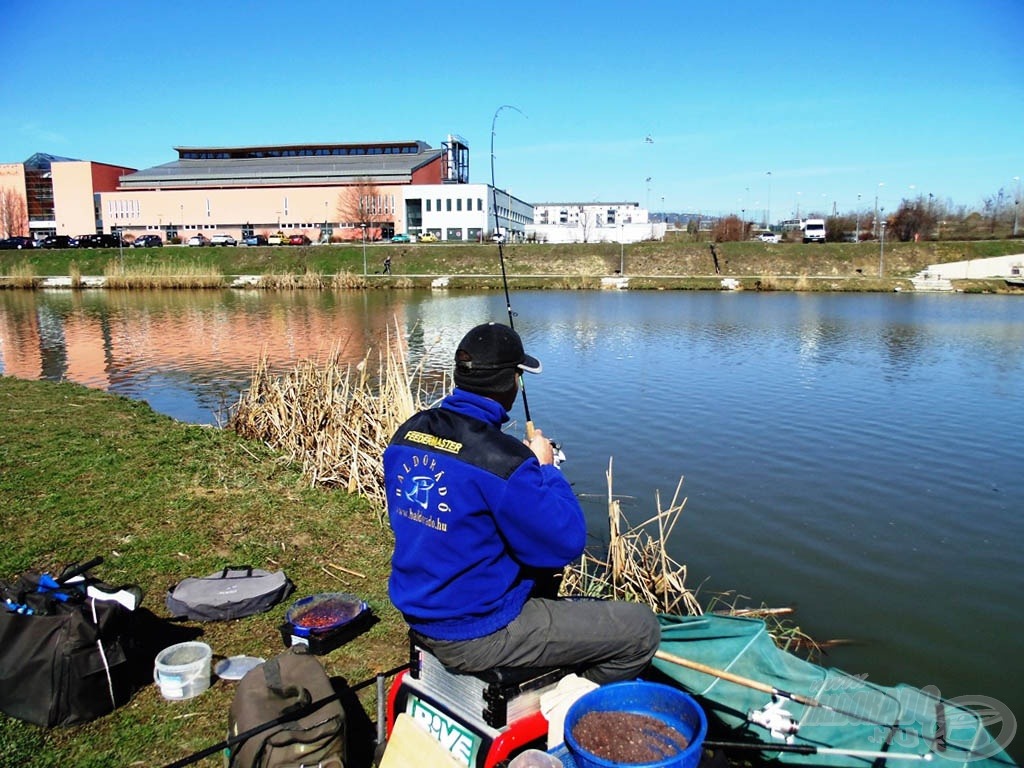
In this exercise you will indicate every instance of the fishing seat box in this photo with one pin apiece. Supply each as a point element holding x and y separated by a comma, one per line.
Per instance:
<point>483,720</point>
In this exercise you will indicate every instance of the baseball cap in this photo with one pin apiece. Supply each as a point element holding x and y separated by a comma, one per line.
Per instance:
<point>487,355</point>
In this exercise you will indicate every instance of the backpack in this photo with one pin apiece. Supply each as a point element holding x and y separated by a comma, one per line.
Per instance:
<point>280,690</point>
<point>66,647</point>
<point>234,592</point>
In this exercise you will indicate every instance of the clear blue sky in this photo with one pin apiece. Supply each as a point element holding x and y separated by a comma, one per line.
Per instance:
<point>837,99</point>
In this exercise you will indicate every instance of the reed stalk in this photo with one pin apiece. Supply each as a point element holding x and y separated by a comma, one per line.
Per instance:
<point>117,275</point>
<point>22,275</point>
<point>636,565</point>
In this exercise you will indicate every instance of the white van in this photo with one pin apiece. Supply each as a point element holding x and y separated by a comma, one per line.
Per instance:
<point>814,230</point>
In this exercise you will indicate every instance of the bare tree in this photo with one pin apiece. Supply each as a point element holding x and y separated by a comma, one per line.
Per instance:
<point>729,228</point>
<point>585,223</point>
<point>913,220</point>
<point>13,213</point>
<point>363,204</point>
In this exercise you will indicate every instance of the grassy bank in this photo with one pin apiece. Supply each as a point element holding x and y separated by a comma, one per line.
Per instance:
<point>84,473</point>
<point>676,263</point>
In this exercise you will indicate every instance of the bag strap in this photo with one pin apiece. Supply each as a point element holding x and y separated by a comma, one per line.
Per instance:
<point>235,568</point>
<point>272,676</point>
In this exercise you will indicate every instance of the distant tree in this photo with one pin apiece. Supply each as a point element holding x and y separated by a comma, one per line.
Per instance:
<point>837,227</point>
<point>913,219</point>
<point>363,204</point>
<point>993,207</point>
<point>13,213</point>
<point>586,223</point>
<point>729,228</point>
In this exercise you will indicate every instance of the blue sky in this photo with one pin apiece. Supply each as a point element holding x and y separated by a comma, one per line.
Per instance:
<point>749,106</point>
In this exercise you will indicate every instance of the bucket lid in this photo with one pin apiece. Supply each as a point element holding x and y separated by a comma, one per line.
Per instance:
<point>235,667</point>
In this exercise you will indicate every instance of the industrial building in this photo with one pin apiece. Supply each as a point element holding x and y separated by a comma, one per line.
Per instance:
<point>328,192</point>
<point>592,222</point>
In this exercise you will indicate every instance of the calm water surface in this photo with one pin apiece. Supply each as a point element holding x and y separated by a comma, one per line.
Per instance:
<point>858,456</point>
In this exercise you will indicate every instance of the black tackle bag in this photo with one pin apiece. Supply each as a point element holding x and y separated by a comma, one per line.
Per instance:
<point>273,700</point>
<point>65,647</point>
<point>231,593</point>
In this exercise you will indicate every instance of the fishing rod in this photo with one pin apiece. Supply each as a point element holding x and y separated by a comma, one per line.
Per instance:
<point>500,238</point>
<point>938,741</point>
<point>810,749</point>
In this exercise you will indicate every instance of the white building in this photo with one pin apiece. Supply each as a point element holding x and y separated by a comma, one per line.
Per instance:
<point>454,212</point>
<point>593,222</point>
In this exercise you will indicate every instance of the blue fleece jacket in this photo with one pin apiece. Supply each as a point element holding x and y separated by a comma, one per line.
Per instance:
<point>471,507</point>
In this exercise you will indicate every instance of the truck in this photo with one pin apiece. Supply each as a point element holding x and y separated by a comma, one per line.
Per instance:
<point>814,230</point>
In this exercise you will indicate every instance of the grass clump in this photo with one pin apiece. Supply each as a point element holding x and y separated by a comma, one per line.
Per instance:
<point>162,275</point>
<point>20,275</point>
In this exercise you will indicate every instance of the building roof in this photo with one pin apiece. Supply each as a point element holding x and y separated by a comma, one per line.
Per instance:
<point>290,164</point>
<point>588,204</point>
<point>41,161</point>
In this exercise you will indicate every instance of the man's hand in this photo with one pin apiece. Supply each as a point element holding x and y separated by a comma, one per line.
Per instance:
<point>541,447</point>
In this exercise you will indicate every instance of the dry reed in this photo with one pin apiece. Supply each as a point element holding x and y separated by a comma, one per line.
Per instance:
<point>22,275</point>
<point>636,566</point>
<point>333,417</point>
<point>288,281</point>
<point>348,280</point>
<point>117,274</point>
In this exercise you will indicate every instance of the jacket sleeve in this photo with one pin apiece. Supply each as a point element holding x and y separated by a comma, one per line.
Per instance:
<point>540,517</point>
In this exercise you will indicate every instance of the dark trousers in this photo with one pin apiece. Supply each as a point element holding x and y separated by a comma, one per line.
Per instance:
<point>611,640</point>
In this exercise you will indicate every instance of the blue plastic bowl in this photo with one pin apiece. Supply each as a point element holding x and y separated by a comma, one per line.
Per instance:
<point>670,705</point>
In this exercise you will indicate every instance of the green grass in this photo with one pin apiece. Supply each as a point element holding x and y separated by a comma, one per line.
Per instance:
<point>85,473</point>
<point>677,260</point>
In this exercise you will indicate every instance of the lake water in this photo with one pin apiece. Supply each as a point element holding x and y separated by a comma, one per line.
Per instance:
<point>855,455</point>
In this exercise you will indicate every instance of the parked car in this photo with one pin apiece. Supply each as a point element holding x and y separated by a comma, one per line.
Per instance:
<point>199,239</point>
<point>148,241</point>
<point>278,238</point>
<point>769,237</point>
<point>426,237</point>
<point>299,240</point>
<point>99,241</point>
<point>400,239</point>
<point>58,241</point>
<point>17,243</point>
<point>222,239</point>
<point>255,240</point>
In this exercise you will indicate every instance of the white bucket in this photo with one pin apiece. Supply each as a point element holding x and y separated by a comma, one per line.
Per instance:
<point>183,670</point>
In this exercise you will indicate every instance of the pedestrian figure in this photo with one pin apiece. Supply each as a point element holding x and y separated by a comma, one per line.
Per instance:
<point>387,265</point>
<point>714,257</point>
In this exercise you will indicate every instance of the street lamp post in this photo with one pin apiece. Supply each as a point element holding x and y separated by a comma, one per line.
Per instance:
<point>622,250</point>
<point>1016,208</point>
<point>881,250</point>
<point>874,224</point>
<point>768,210</point>
<point>363,226</point>
<point>856,236</point>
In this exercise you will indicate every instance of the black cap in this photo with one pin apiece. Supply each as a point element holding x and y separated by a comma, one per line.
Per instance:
<point>489,357</point>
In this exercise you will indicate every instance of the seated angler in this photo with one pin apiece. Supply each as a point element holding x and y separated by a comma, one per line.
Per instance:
<point>481,520</point>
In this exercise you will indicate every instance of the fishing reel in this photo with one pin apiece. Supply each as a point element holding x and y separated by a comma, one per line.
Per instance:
<point>776,720</point>
<point>559,454</point>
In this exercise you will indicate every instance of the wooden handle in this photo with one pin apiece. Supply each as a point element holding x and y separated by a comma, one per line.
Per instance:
<point>738,679</point>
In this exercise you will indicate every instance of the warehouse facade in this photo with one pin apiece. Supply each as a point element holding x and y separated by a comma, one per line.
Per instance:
<point>327,192</point>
